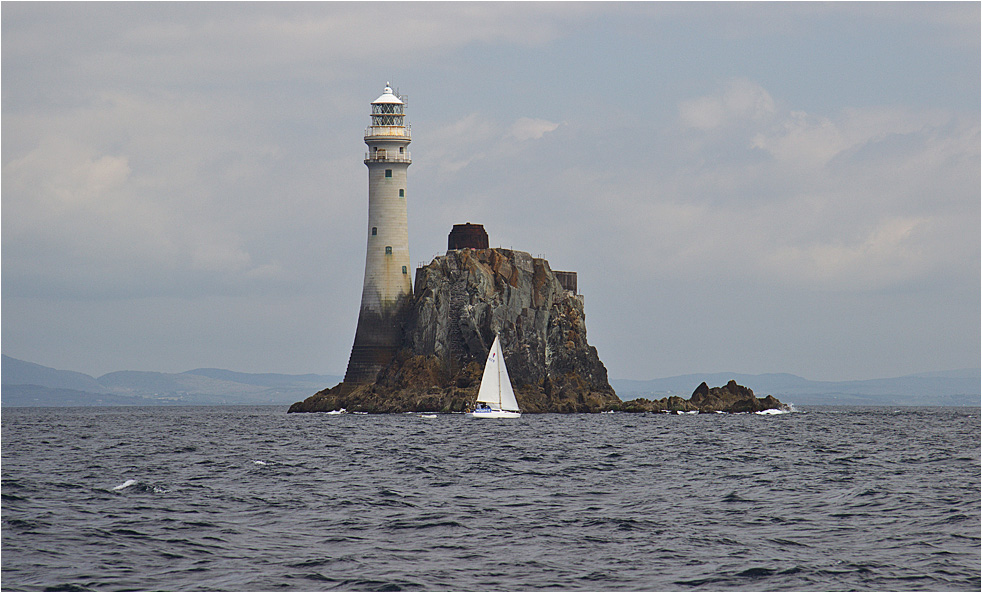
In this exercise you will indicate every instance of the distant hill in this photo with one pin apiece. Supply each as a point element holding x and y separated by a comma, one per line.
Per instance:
<point>19,372</point>
<point>263,379</point>
<point>34,396</point>
<point>948,388</point>
<point>29,384</point>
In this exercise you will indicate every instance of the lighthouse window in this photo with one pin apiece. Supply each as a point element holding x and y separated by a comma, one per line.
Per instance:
<point>388,172</point>
<point>402,193</point>
<point>374,230</point>
<point>388,250</point>
<point>404,271</point>
<point>402,149</point>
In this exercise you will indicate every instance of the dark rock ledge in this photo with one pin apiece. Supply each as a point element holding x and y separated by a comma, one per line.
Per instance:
<point>381,399</point>
<point>731,398</point>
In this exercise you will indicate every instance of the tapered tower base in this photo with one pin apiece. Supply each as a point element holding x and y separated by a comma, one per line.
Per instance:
<point>377,340</point>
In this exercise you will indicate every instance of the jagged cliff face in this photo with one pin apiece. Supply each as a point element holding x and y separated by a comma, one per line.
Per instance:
<point>460,302</point>
<point>465,298</point>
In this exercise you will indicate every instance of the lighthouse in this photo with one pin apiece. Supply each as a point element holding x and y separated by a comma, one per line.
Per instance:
<point>387,285</point>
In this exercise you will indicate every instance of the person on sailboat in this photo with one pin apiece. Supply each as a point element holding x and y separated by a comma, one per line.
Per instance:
<point>496,388</point>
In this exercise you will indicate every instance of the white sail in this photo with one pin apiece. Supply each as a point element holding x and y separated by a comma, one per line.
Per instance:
<point>490,391</point>
<point>508,401</point>
<point>496,387</point>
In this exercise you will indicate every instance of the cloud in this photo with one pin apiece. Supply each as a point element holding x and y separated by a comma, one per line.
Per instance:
<point>854,200</point>
<point>740,101</point>
<point>457,144</point>
<point>892,252</point>
<point>531,129</point>
<point>193,44</point>
<point>803,139</point>
<point>84,221</point>
<point>475,137</point>
<point>213,152</point>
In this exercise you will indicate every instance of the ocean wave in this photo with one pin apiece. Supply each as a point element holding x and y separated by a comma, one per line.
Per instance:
<point>772,412</point>
<point>139,487</point>
<point>125,485</point>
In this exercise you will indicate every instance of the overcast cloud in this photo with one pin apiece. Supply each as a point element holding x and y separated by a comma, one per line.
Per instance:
<point>741,187</point>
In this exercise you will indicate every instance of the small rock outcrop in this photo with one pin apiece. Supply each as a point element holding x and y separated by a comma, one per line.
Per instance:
<point>460,302</point>
<point>731,398</point>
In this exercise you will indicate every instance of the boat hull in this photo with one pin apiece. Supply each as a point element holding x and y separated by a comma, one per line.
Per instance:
<point>495,414</point>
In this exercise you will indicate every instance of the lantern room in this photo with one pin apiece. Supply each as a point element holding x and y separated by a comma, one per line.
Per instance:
<point>388,115</point>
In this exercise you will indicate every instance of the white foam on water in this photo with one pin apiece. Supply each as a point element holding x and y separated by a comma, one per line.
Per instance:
<point>258,462</point>
<point>772,412</point>
<point>125,484</point>
<point>341,411</point>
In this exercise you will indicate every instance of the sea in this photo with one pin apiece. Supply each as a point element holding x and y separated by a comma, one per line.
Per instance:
<point>244,498</point>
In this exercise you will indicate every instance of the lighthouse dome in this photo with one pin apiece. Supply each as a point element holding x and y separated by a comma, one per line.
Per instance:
<point>387,96</point>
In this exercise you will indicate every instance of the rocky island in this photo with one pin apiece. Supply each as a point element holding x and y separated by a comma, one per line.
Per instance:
<point>731,398</point>
<point>460,301</point>
<point>421,347</point>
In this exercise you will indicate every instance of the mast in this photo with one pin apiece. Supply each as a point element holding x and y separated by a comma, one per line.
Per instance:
<point>501,364</point>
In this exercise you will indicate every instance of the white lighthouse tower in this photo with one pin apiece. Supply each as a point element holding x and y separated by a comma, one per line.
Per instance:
<point>387,285</point>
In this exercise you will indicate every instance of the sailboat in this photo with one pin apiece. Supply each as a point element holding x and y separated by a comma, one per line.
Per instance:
<point>496,398</point>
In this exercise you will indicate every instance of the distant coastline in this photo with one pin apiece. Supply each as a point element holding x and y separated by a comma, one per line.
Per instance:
<point>28,384</point>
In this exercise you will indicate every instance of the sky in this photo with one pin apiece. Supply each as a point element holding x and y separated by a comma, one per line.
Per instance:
<point>749,188</point>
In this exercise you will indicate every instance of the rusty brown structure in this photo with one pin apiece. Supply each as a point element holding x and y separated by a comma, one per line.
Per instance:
<point>567,280</point>
<point>464,236</point>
